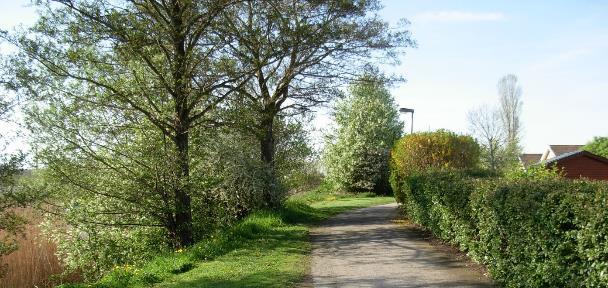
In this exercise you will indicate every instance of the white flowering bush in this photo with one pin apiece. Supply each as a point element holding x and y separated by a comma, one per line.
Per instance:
<point>367,125</point>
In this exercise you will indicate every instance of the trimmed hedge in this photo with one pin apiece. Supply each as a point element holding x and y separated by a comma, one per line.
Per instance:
<point>529,232</point>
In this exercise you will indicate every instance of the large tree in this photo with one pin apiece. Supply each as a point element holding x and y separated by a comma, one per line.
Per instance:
<point>498,130</point>
<point>118,89</point>
<point>300,52</point>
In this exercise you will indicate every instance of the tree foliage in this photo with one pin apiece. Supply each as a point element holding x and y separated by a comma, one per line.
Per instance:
<point>118,93</point>
<point>118,89</point>
<point>367,125</point>
<point>599,146</point>
<point>300,52</point>
<point>11,195</point>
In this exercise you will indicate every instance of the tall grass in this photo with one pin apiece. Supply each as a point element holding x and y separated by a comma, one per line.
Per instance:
<point>34,264</point>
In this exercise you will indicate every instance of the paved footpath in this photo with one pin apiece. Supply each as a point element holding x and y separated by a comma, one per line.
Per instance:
<point>366,248</point>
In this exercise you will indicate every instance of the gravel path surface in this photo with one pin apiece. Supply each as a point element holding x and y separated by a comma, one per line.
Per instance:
<point>366,248</point>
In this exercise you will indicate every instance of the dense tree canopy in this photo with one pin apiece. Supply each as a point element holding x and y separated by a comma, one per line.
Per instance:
<point>300,52</point>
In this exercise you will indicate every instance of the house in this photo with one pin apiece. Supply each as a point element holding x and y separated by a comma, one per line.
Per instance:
<point>558,150</point>
<point>553,151</point>
<point>581,164</point>
<point>574,162</point>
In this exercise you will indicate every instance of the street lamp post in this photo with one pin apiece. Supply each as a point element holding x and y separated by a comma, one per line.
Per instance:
<point>408,110</point>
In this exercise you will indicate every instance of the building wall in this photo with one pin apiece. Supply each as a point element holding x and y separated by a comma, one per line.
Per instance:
<point>583,166</point>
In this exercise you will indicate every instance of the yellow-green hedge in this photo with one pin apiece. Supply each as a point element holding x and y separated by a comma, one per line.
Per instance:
<point>437,149</point>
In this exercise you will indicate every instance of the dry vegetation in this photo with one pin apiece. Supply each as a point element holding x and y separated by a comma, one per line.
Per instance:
<point>33,264</point>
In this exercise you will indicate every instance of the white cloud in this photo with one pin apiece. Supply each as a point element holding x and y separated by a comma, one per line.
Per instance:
<point>459,16</point>
<point>555,62</point>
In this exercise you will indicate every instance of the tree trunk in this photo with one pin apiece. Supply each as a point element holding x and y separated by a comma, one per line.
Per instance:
<point>183,212</point>
<point>267,154</point>
<point>267,142</point>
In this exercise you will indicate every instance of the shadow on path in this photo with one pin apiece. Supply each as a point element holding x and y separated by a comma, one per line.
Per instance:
<point>365,248</point>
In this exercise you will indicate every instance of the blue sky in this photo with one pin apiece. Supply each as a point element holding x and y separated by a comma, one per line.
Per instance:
<point>558,49</point>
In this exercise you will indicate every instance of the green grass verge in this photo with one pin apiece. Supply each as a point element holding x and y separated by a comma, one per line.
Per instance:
<point>266,249</point>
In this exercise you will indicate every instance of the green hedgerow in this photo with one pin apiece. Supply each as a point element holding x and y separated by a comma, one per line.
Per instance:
<point>528,231</point>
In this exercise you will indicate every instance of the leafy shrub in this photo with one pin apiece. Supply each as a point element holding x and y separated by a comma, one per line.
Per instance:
<point>296,161</point>
<point>225,186</point>
<point>440,149</point>
<point>441,208</point>
<point>94,250</point>
<point>529,232</point>
<point>537,172</point>
<point>119,277</point>
<point>231,180</point>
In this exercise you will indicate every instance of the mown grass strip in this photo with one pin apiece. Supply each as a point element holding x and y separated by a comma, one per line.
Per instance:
<point>266,249</point>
